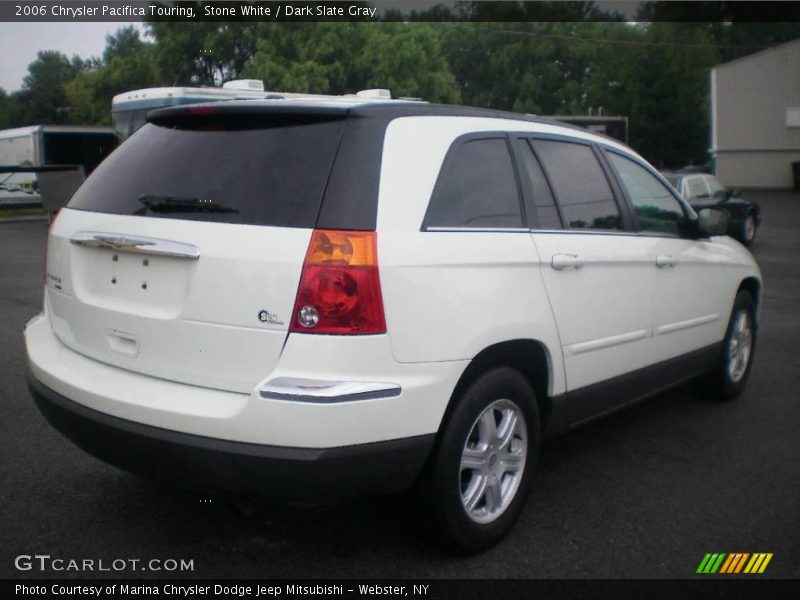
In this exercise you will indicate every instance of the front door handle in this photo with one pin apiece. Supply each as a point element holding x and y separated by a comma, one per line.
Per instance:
<point>566,261</point>
<point>664,260</point>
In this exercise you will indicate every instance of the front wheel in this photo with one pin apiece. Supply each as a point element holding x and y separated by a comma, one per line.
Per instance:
<point>732,369</point>
<point>748,233</point>
<point>482,469</point>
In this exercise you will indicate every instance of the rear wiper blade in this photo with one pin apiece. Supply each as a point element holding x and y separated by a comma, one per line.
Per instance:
<point>166,204</point>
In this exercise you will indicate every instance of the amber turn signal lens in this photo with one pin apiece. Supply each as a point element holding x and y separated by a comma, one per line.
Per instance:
<point>346,248</point>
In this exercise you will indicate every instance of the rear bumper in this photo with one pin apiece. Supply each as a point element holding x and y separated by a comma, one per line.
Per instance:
<point>324,393</point>
<point>274,471</point>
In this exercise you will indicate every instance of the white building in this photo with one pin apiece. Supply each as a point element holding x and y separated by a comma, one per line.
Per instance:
<point>755,118</point>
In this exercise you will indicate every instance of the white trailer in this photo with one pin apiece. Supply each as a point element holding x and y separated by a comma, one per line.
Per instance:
<point>26,153</point>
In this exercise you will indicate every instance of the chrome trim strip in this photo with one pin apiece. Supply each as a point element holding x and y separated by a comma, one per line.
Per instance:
<point>480,229</point>
<point>326,392</point>
<point>565,231</point>
<point>607,342</point>
<point>687,324</point>
<point>135,245</point>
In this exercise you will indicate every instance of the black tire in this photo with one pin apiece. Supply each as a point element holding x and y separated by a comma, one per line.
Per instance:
<point>720,382</point>
<point>747,235</point>
<point>445,479</point>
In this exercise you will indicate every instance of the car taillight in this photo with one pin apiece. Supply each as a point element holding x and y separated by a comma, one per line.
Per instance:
<point>340,292</point>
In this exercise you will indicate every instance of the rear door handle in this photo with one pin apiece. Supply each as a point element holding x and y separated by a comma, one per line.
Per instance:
<point>664,260</point>
<point>561,262</point>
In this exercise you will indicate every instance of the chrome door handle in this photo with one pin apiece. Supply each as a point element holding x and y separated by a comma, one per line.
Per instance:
<point>566,261</point>
<point>664,260</point>
<point>136,245</point>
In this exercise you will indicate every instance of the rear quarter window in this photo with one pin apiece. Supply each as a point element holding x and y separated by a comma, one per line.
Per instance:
<point>477,188</point>
<point>256,172</point>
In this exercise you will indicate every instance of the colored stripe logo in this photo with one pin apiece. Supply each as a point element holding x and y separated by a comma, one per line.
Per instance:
<point>734,563</point>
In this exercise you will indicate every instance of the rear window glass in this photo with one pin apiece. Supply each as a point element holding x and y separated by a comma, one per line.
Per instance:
<point>274,174</point>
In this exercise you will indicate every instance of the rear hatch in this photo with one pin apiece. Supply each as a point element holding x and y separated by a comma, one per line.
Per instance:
<point>180,256</point>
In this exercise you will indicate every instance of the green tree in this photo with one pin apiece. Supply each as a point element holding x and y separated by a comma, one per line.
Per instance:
<point>202,53</point>
<point>9,110</point>
<point>42,97</point>
<point>127,64</point>
<point>339,58</point>
<point>665,93</point>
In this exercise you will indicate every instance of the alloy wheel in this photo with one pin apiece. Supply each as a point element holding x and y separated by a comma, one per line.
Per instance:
<point>493,461</point>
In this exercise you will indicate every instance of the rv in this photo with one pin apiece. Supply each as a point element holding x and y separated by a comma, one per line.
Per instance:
<point>129,109</point>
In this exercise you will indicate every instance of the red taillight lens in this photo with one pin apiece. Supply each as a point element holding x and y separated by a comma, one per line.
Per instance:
<point>340,292</point>
<point>201,110</point>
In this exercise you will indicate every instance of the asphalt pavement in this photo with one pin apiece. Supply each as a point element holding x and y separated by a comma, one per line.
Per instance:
<point>644,493</point>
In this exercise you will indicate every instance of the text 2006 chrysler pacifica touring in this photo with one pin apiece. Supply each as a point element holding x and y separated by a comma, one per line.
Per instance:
<point>326,298</point>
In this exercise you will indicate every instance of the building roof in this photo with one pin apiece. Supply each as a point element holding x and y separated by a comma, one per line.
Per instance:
<point>758,54</point>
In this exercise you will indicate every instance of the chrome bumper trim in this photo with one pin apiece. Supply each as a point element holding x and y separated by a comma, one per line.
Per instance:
<point>326,392</point>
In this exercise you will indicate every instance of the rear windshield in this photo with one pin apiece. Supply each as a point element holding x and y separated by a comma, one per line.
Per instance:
<point>258,173</point>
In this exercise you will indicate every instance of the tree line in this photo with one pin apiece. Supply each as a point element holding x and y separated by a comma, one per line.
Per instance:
<point>655,73</point>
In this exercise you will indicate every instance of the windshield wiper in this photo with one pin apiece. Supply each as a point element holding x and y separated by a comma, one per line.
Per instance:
<point>173,204</point>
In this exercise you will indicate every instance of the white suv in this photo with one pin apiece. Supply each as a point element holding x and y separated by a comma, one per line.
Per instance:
<point>317,299</point>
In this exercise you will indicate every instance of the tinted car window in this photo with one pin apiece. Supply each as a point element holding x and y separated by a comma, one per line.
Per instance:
<point>476,188</point>
<point>696,187</point>
<point>544,205</point>
<point>581,187</point>
<point>656,208</point>
<point>270,175</point>
<point>717,191</point>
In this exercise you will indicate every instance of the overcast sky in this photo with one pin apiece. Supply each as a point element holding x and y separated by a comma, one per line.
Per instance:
<point>19,43</point>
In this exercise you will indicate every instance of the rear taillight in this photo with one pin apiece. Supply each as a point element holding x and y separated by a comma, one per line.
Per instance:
<point>340,292</point>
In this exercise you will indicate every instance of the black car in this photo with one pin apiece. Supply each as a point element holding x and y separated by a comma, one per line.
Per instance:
<point>702,190</point>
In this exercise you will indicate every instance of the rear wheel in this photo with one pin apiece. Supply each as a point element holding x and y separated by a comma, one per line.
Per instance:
<point>482,469</point>
<point>730,373</point>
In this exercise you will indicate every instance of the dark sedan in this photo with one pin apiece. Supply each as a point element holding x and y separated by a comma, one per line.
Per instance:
<point>702,190</point>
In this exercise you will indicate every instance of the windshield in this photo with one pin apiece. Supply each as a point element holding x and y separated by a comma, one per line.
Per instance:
<point>672,179</point>
<point>271,175</point>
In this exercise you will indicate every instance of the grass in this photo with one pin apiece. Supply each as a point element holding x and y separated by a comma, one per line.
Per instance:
<point>21,212</point>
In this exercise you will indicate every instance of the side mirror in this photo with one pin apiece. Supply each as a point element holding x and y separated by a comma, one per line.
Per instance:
<point>733,193</point>
<point>713,221</point>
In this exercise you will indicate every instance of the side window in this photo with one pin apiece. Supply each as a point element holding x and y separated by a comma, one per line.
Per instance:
<point>717,191</point>
<point>476,188</point>
<point>656,208</point>
<point>581,187</point>
<point>696,187</point>
<point>543,202</point>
